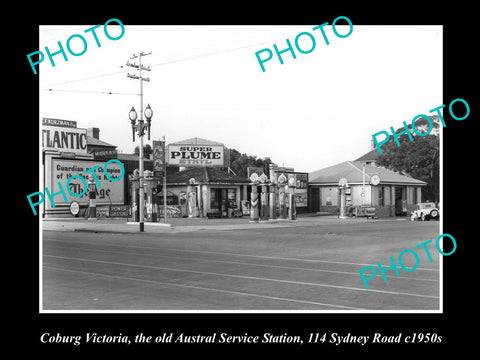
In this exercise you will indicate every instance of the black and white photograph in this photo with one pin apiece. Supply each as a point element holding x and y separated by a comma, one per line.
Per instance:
<point>275,193</point>
<point>273,184</point>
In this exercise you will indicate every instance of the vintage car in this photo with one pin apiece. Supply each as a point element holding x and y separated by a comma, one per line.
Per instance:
<point>361,211</point>
<point>425,211</point>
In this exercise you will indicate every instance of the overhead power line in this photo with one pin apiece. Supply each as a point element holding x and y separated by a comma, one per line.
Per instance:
<point>187,58</point>
<point>175,57</point>
<point>94,92</point>
<point>89,78</point>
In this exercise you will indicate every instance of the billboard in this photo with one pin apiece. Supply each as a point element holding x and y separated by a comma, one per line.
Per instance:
<point>301,185</point>
<point>196,155</point>
<point>109,192</point>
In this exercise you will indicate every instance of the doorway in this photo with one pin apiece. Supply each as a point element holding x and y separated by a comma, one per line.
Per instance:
<point>221,200</point>
<point>315,199</point>
<point>400,201</point>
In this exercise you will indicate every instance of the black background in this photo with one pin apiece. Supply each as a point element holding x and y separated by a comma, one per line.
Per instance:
<point>456,325</point>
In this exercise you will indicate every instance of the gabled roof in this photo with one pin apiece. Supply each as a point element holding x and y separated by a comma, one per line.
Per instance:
<point>98,142</point>
<point>196,141</point>
<point>372,155</point>
<point>206,175</point>
<point>130,157</point>
<point>353,172</point>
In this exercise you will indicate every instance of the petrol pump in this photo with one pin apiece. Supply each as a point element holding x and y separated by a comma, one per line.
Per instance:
<point>282,182</point>
<point>274,191</point>
<point>92,195</point>
<point>342,187</point>
<point>273,168</point>
<point>264,206</point>
<point>151,187</point>
<point>254,215</point>
<point>192,206</point>
<point>292,211</point>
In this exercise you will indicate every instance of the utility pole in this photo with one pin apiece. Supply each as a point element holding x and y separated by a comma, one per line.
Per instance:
<point>164,181</point>
<point>140,129</point>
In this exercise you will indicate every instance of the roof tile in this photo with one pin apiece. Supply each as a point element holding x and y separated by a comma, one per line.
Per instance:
<point>205,175</point>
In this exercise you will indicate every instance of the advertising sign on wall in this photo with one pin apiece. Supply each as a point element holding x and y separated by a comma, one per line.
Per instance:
<point>109,192</point>
<point>196,155</point>
<point>301,199</point>
<point>104,154</point>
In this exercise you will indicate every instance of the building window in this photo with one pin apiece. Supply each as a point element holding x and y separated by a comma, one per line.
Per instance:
<point>329,196</point>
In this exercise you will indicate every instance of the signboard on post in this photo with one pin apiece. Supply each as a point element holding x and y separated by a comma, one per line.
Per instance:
<point>158,157</point>
<point>196,155</point>
<point>74,208</point>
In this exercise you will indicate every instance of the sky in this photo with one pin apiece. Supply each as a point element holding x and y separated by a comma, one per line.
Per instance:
<point>205,81</point>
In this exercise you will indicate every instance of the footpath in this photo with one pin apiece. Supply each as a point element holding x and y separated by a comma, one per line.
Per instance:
<point>175,225</point>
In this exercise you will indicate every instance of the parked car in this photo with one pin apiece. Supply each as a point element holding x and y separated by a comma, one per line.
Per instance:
<point>361,211</point>
<point>425,211</point>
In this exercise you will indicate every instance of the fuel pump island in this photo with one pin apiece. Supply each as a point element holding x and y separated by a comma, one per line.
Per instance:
<point>275,194</point>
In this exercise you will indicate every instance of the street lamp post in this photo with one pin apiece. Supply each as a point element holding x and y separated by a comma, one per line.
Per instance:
<point>140,127</point>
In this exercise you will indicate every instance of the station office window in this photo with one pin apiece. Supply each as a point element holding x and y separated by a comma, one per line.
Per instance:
<point>329,196</point>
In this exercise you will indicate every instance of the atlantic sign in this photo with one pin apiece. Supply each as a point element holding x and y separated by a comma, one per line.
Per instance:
<point>64,139</point>
<point>196,155</point>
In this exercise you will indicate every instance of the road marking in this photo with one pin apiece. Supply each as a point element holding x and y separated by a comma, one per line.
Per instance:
<point>244,277</point>
<point>240,263</point>
<point>205,288</point>
<point>240,255</point>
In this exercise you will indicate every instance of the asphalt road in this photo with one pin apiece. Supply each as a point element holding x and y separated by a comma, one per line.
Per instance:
<point>314,267</point>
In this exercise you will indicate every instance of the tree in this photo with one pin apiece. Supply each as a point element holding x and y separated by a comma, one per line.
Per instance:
<point>239,162</point>
<point>418,159</point>
<point>147,150</point>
